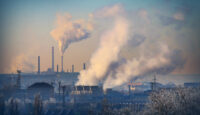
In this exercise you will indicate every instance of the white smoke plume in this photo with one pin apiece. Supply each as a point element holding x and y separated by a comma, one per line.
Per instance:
<point>68,31</point>
<point>162,62</point>
<point>106,66</point>
<point>111,42</point>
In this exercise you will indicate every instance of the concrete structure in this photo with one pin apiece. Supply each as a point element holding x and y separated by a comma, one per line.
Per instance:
<point>62,63</point>
<point>19,79</point>
<point>44,89</point>
<point>82,89</point>
<point>192,84</point>
<point>84,66</point>
<point>52,59</point>
<point>57,68</point>
<point>153,84</point>
<point>38,64</point>
<point>72,68</point>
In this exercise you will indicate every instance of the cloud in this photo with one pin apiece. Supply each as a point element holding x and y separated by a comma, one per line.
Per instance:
<point>177,19</point>
<point>136,40</point>
<point>178,16</point>
<point>143,14</point>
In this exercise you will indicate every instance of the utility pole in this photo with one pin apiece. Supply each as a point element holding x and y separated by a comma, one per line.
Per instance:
<point>153,84</point>
<point>63,89</point>
<point>59,86</point>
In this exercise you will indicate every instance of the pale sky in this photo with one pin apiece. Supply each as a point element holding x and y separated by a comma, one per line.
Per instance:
<point>26,26</point>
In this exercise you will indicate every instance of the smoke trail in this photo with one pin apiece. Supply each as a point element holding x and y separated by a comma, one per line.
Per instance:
<point>111,41</point>
<point>162,62</point>
<point>68,31</point>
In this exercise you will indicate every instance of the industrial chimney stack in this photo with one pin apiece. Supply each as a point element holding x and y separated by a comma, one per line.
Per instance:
<point>52,59</point>
<point>72,68</point>
<point>38,64</point>
<point>19,79</point>
<point>62,63</point>
<point>84,66</point>
<point>57,68</point>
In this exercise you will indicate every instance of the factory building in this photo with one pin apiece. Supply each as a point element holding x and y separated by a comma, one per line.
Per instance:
<point>81,89</point>
<point>44,89</point>
<point>192,84</point>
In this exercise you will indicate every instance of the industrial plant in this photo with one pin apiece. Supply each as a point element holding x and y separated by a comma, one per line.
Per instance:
<point>58,89</point>
<point>122,57</point>
<point>58,93</point>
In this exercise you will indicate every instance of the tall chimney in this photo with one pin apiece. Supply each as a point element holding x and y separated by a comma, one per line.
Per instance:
<point>84,66</point>
<point>52,59</point>
<point>72,68</point>
<point>62,63</point>
<point>57,68</point>
<point>38,64</point>
<point>19,79</point>
<point>129,89</point>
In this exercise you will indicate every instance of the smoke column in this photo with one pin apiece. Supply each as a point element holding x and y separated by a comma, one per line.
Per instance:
<point>111,41</point>
<point>163,61</point>
<point>68,31</point>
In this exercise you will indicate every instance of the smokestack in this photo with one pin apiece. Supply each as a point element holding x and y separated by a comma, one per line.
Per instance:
<point>62,63</point>
<point>72,68</point>
<point>57,68</point>
<point>38,64</point>
<point>84,66</point>
<point>19,79</point>
<point>52,59</point>
<point>129,89</point>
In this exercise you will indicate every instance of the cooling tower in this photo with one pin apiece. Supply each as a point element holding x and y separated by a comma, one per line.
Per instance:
<point>52,59</point>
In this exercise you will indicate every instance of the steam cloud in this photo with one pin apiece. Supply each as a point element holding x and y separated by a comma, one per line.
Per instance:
<point>105,64</point>
<point>111,42</point>
<point>162,62</point>
<point>68,31</point>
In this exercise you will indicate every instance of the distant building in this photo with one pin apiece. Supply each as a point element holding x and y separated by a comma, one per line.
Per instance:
<point>44,89</point>
<point>81,89</point>
<point>83,94</point>
<point>192,84</point>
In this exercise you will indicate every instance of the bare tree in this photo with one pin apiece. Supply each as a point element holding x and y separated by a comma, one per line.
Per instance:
<point>178,101</point>
<point>13,107</point>
<point>38,105</point>
<point>106,108</point>
<point>2,105</point>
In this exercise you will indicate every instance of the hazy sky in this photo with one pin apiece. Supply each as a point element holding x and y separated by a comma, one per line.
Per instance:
<point>26,26</point>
